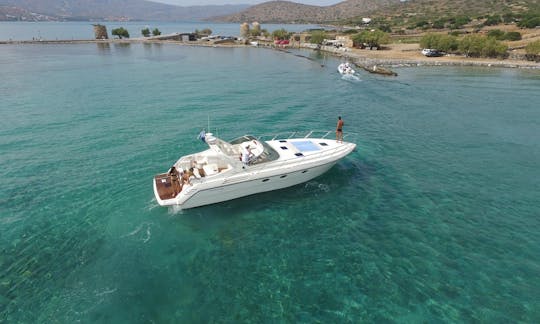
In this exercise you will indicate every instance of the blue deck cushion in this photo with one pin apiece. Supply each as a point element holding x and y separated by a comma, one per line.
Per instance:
<point>305,146</point>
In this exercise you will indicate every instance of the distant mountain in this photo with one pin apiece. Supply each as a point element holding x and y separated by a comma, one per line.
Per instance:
<point>291,12</point>
<point>108,10</point>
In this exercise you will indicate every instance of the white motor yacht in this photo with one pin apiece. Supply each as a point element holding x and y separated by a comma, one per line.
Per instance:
<point>346,69</point>
<point>246,166</point>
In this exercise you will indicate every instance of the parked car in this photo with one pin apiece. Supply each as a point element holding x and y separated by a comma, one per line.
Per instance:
<point>430,52</point>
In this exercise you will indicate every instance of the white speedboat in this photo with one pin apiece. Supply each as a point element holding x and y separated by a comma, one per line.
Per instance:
<point>246,166</point>
<point>346,69</point>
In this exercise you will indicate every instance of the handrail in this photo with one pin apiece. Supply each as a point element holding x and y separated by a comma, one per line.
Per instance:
<point>308,134</point>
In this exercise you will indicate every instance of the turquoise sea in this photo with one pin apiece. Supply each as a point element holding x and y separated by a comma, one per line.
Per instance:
<point>435,218</point>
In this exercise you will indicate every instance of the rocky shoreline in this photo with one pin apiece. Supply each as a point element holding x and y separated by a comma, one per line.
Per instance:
<point>410,56</point>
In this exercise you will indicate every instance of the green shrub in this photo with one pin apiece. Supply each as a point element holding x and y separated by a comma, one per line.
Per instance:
<point>512,36</point>
<point>458,22</point>
<point>493,20</point>
<point>529,23</point>
<point>421,24</point>
<point>508,17</point>
<point>533,48</point>
<point>500,35</point>
<point>385,28</point>
<point>496,33</point>
<point>529,20</point>
<point>439,24</point>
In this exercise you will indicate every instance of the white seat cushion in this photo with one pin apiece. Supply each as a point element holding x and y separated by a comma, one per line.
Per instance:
<point>210,169</point>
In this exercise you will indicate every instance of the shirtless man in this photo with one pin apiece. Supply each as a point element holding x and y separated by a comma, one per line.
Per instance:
<point>185,178</point>
<point>339,130</point>
<point>176,186</point>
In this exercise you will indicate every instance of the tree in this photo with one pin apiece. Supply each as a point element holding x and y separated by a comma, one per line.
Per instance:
<point>145,32</point>
<point>494,48</point>
<point>120,32</point>
<point>280,34</point>
<point>371,38</point>
<point>444,43</point>
<point>317,37</point>
<point>156,32</point>
<point>471,45</point>
<point>480,46</point>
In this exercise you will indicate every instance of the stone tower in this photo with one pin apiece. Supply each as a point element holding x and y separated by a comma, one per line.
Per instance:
<point>256,28</point>
<point>244,30</point>
<point>100,31</point>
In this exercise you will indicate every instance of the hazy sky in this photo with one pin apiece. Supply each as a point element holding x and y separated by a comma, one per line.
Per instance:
<point>250,2</point>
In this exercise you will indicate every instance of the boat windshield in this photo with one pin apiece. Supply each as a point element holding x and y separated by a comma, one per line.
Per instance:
<point>268,154</point>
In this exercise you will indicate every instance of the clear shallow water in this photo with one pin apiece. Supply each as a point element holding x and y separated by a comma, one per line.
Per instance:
<point>434,218</point>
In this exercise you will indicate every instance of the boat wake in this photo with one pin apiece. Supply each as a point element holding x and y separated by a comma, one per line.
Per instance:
<point>175,209</point>
<point>138,229</point>
<point>316,187</point>
<point>350,78</point>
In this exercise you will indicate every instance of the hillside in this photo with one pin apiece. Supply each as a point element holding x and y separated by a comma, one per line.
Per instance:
<point>291,12</point>
<point>108,10</point>
<point>456,7</point>
<point>354,10</point>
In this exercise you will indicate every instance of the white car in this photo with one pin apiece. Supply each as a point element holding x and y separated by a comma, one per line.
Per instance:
<point>429,52</point>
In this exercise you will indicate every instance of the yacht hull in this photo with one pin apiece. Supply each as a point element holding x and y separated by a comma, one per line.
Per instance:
<point>253,185</point>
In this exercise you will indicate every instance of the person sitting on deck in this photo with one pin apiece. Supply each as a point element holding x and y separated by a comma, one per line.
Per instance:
<point>185,178</point>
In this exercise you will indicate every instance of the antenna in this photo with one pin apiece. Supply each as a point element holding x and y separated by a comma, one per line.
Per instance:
<point>209,124</point>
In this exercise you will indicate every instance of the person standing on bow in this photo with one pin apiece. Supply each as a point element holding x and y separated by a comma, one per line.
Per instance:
<point>339,130</point>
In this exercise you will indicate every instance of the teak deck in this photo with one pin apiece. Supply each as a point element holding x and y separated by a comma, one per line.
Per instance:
<point>167,188</point>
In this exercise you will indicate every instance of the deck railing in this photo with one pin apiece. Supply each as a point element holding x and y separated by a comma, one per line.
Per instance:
<point>255,169</point>
<point>304,134</point>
